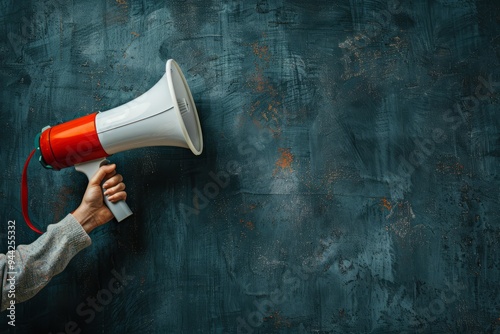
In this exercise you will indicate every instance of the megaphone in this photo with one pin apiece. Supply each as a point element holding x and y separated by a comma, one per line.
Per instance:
<point>163,116</point>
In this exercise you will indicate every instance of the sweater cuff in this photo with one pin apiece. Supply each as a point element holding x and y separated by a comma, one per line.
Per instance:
<point>71,228</point>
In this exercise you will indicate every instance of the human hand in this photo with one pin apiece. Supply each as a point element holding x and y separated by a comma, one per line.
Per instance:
<point>92,211</point>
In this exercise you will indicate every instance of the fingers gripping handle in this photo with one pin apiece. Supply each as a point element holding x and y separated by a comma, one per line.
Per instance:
<point>119,209</point>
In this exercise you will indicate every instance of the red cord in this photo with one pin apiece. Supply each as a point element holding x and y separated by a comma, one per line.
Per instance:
<point>24,194</point>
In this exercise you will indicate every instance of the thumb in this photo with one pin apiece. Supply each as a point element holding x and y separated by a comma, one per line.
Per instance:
<point>101,174</point>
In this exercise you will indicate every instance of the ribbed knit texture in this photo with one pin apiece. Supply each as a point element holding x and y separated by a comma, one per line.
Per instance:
<point>38,262</point>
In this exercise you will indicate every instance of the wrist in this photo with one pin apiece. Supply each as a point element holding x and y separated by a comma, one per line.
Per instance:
<point>85,217</point>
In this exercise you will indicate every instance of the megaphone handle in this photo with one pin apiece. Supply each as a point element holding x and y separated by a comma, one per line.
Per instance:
<point>119,209</point>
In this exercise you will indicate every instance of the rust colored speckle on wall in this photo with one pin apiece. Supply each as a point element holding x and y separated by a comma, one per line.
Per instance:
<point>285,161</point>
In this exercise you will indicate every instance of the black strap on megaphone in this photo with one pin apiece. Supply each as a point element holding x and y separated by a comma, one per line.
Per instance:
<point>24,194</point>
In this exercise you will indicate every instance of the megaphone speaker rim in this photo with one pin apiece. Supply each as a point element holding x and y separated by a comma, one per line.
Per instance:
<point>169,67</point>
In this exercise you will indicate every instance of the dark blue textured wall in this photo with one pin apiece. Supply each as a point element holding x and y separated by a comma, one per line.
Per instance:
<point>356,145</point>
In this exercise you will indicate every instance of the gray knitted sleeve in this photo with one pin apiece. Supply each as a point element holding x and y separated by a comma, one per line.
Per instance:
<point>36,263</point>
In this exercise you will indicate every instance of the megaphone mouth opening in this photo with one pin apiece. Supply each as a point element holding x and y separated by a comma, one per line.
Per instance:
<point>185,107</point>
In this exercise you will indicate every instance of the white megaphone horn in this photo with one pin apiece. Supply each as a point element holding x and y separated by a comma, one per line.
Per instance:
<point>163,116</point>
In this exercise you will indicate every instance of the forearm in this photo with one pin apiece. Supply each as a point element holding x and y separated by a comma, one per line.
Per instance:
<point>35,264</point>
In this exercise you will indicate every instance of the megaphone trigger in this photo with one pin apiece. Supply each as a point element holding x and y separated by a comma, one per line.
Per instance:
<point>119,209</point>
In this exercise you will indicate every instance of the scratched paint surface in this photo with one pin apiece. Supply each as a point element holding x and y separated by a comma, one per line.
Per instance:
<point>349,182</point>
